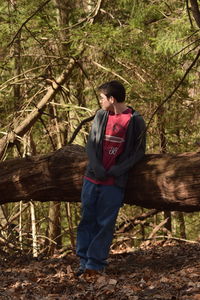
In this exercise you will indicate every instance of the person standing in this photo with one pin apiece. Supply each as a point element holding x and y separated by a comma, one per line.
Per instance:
<point>115,144</point>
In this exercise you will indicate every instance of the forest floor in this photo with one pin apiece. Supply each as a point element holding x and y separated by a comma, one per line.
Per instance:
<point>160,270</point>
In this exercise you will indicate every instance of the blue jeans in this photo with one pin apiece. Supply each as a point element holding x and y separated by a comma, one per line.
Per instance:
<point>100,207</point>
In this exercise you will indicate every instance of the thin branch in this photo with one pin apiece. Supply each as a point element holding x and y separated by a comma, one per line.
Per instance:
<point>192,49</point>
<point>109,70</point>
<point>157,228</point>
<point>96,10</point>
<point>124,227</point>
<point>172,238</point>
<point>27,20</point>
<point>5,84</point>
<point>33,36</point>
<point>79,128</point>
<point>48,133</point>
<point>87,76</point>
<point>13,218</point>
<point>177,53</point>
<point>175,89</point>
<point>167,98</point>
<point>168,6</point>
<point>192,34</point>
<point>90,16</point>
<point>125,66</point>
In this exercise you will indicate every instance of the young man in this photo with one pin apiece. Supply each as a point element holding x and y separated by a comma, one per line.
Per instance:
<point>115,144</point>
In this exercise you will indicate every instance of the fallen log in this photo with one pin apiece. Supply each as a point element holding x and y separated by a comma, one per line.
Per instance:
<point>163,182</point>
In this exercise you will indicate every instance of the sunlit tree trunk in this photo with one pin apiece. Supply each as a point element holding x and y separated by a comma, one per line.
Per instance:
<point>34,231</point>
<point>163,150</point>
<point>16,99</point>
<point>3,219</point>
<point>64,9</point>
<point>20,226</point>
<point>181,222</point>
<point>29,149</point>
<point>180,215</point>
<point>64,14</point>
<point>68,208</point>
<point>54,228</point>
<point>142,227</point>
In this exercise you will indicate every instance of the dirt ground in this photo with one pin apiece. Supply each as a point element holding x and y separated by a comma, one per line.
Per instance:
<point>167,270</point>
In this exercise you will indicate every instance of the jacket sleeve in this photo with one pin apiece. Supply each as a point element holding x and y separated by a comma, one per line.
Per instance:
<point>94,162</point>
<point>137,152</point>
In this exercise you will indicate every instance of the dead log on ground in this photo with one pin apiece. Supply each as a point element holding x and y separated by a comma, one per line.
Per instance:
<point>163,182</point>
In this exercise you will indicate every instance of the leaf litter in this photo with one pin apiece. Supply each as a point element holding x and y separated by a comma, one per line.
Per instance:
<point>160,270</point>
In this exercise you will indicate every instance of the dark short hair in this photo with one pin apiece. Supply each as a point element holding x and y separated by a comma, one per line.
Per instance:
<point>115,89</point>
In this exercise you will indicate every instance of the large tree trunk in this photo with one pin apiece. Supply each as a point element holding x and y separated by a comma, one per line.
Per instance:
<point>161,181</point>
<point>195,11</point>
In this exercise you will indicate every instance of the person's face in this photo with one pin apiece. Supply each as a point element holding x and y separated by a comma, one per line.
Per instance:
<point>106,102</point>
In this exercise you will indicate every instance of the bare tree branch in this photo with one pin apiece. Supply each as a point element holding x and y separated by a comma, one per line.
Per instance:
<point>132,222</point>
<point>90,17</point>
<point>28,122</point>
<point>79,128</point>
<point>175,89</point>
<point>192,43</point>
<point>27,20</point>
<point>110,71</point>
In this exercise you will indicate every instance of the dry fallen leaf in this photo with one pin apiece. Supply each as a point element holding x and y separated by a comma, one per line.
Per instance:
<point>112,282</point>
<point>164,280</point>
<point>69,270</point>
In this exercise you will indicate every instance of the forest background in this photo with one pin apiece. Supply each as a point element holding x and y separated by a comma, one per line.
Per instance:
<point>148,46</point>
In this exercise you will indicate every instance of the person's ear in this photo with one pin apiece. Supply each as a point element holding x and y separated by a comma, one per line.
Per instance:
<point>112,99</point>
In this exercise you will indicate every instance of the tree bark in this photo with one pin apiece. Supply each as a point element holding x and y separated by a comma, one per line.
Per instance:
<point>161,181</point>
<point>182,227</point>
<point>163,150</point>
<point>54,230</point>
<point>195,11</point>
